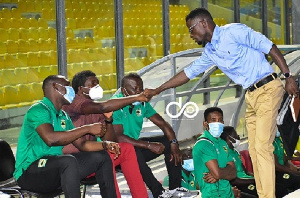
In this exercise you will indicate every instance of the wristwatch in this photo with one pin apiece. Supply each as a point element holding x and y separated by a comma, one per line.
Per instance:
<point>287,74</point>
<point>174,141</point>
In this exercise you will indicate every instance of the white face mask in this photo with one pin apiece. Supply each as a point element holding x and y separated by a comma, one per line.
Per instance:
<point>95,92</point>
<point>237,142</point>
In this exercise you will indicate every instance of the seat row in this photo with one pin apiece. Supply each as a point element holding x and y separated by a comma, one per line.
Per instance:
<point>24,46</point>
<point>15,34</point>
<point>13,96</point>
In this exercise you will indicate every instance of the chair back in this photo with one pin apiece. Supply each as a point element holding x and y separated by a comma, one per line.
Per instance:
<point>7,162</point>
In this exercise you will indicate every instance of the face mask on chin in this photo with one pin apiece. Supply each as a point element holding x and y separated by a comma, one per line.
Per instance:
<point>188,165</point>
<point>215,129</point>
<point>134,103</point>
<point>95,93</point>
<point>69,95</point>
<point>237,142</point>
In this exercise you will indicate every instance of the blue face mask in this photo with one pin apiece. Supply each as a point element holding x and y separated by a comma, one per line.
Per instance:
<point>69,95</point>
<point>136,103</point>
<point>277,134</point>
<point>216,129</point>
<point>188,165</point>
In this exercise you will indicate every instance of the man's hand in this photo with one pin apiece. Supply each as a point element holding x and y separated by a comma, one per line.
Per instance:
<point>149,93</point>
<point>108,115</point>
<point>175,154</point>
<point>291,87</point>
<point>142,97</point>
<point>209,178</point>
<point>236,192</point>
<point>114,148</point>
<point>156,147</point>
<point>98,129</point>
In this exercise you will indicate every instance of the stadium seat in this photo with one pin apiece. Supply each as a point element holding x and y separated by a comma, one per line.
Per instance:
<point>33,45</point>
<point>43,45</point>
<point>37,91</point>
<point>73,56</point>
<point>4,36</point>
<point>42,33</point>
<point>24,23</point>
<point>3,48</point>
<point>24,94</point>
<point>13,34</point>
<point>2,98</point>
<point>74,68</point>
<point>51,44</point>
<point>33,33</point>
<point>15,13</point>
<point>1,64</point>
<point>48,13</point>
<point>21,60</point>
<point>42,23</point>
<point>246,159</point>
<point>12,47</point>
<point>23,33</point>
<point>11,96</point>
<point>32,59</point>
<point>33,75</point>
<point>23,45</point>
<point>43,58</point>
<point>5,23</point>
<point>21,75</point>
<point>32,22</point>
<point>51,33</point>
<point>15,23</point>
<point>52,57</point>
<point>10,61</point>
<point>45,71</point>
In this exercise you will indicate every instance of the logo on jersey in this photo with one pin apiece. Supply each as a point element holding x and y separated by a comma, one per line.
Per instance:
<point>63,124</point>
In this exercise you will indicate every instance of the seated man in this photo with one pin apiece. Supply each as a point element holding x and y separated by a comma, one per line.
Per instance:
<point>188,179</point>
<point>286,176</point>
<point>84,110</point>
<point>214,168</point>
<point>128,123</point>
<point>40,163</point>
<point>244,181</point>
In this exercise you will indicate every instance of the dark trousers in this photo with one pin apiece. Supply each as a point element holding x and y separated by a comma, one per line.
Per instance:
<point>145,155</point>
<point>287,182</point>
<point>65,171</point>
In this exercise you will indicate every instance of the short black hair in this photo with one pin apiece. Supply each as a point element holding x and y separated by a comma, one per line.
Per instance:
<point>80,78</point>
<point>48,80</point>
<point>210,110</point>
<point>130,76</point>
<point>227,130</point>
<point>198,12</point>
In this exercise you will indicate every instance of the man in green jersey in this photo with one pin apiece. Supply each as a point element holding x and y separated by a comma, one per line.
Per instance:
<point>213,166</point>
<point>40,164</point>
<point>128,123</point>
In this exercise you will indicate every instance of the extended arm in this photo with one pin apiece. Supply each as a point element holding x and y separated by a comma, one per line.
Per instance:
<point>283,168</point>
<point>112,104</point>
<point>175,81</point>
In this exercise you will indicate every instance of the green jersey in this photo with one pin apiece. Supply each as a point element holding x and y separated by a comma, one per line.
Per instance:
<point>132,118</point>
<point>209,148</point>
<point>188,182</point>
<point>239,164</point>
<point>278,150</point>
<point>31,146</point>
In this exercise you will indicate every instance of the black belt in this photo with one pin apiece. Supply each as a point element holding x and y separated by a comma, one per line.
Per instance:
<point>262,82</point>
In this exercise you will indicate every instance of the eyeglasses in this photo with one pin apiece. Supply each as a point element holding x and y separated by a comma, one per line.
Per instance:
<point>192,27</point>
